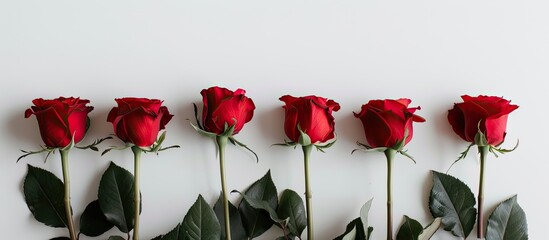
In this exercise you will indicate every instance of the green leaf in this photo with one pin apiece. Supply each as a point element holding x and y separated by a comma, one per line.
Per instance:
<point>351,235</point>
<point>116,197</point>
<point>291,207</point>
<point>288,237</point>
<point>44,194</point>
<point>116,238</point>
<point>93,222</point>
<point>237,230</point>
<point>357,226</point>
<point>364,210</point>
<point>370,230</point>
<point>409,230</point>
<point>507,222</point>
<point>200,222</point>
<point>257,221</point>
<point>453,201</point>
<point>263,205</point>
<point>430,230</point>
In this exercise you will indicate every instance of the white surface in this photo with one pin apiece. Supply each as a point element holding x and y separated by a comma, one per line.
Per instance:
<point>431,51</point>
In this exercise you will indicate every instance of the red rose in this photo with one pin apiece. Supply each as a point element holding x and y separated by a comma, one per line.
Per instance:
<point>138,120</point>
<point>313,115</point>
<point>225,107</point>
<point>59,119</point>
<point>485,112</point>
<point>386,121</point>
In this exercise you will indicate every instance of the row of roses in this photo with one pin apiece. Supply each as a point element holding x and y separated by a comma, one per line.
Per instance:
<point>138,120</point>
<point>63,122</point>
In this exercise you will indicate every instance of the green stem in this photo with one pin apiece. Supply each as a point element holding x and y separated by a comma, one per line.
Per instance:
<point>483,150</point>
<point>67,199</point>
<point>136,192</point>
<point>221,143</point>
<point>308,195</point>
<point>390,154</point>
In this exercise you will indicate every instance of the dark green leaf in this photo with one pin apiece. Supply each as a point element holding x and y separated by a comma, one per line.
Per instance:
<point>174,234</point>
<point>285,238</point>
<point>454,202</point>
<point>200,222</point>
<point>237,229</point>
<point>44,194</point>
<point>61,238</point>
<point>264,205</point>
<point>291,207</point>
<point>257,221</point>
<point>409,230</point>
<point>507,222</point>
<point>357,226</point>
<point>157,238</point>
<point>116,197</point>
<point>93,222</point>
<point>370,230</point>
<point>116,238</point>
<point>351,235</point>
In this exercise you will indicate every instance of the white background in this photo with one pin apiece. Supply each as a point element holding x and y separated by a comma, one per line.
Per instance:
<point>431,51</point>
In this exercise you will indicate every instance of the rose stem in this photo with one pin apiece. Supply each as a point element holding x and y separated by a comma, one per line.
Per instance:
<point>390,154</point>
<point>221,143</point>
<point>308,194</point>
<point>67,185</point>
<point>136,192</point>
<point>483,150</point>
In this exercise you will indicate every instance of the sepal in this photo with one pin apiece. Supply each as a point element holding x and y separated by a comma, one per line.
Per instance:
<point>240,144</point>
<point>110,148</point>
<point>203,132</point>
<point>327,145</point>
<point>496,150</point>
<point>93,146</point>
<point>286,144</point>
<point>68,147</point>
<point>44,149</point>
<point>304,139</point>
<point>480,138</point>
<point>366,148</point>
<point>157,146</point>
<point>405,153</point>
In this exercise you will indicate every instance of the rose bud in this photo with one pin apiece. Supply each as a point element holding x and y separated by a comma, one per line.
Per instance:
<point>225,108</point>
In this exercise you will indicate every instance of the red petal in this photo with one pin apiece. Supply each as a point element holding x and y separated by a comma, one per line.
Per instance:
<point>376,129</point>
<point>235,108</point>
<point>473,114</point>
<point>495,129</point>
<point>165,115</point>
<point>211,98</point>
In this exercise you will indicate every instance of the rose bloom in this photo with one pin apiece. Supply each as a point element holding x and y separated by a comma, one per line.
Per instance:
<point>313,115</point>
<point>487,113</point>
<point>386,121</point>
<point>138,120</point>
<point>60,119</point>
<point>223,107</point>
